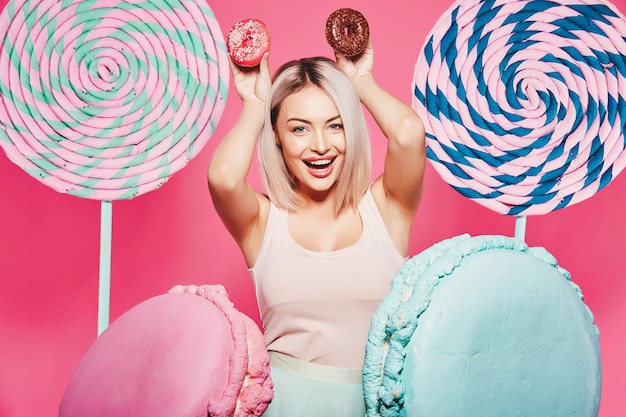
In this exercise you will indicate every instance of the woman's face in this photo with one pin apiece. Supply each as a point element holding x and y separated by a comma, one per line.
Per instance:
<point>310,132</point>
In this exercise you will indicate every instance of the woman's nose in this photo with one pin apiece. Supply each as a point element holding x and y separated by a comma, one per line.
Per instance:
<point>321,144</point>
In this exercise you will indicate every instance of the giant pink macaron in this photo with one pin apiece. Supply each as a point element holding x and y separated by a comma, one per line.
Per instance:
<point>188,353</point>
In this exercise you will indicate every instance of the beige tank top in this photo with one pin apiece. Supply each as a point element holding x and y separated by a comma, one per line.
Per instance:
<point>317,306</point>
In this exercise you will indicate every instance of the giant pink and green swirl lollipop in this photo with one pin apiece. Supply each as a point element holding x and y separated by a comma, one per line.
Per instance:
<point>108,99</point>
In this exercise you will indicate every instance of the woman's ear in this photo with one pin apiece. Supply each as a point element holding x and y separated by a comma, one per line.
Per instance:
<point>276,140</point>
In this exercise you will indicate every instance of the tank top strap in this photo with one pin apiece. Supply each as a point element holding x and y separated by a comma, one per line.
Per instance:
<point>275,217</point>
<point>275,229</point>
<point>373,222</point>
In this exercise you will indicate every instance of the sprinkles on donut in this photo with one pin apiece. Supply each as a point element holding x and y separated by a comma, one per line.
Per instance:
<point>347,31</point>
<point>247,41</point>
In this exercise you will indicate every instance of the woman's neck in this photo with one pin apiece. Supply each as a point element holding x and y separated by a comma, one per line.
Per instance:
<point>317,200</point>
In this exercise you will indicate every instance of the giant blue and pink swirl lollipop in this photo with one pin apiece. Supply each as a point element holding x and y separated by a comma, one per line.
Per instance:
<point>108,99</point>
<point>524,101</point>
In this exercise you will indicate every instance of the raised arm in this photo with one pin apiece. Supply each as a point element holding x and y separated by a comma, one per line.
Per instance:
<point>398,190</point>
<point>239,206</point>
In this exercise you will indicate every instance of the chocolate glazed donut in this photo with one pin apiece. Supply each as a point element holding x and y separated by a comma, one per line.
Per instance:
<point>347,31</point>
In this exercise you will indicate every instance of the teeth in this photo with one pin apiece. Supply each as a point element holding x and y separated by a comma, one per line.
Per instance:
<point>319,163</point>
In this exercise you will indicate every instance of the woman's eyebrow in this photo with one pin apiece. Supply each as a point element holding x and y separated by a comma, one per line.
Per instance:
<point>297,119</point>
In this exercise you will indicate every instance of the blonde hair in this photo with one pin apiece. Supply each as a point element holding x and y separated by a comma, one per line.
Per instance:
<point>323,73</point>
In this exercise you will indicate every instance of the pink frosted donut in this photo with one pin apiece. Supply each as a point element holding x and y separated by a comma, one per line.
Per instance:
<point>247,41</point>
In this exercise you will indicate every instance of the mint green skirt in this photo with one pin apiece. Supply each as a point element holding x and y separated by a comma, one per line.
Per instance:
<point>303,389</point>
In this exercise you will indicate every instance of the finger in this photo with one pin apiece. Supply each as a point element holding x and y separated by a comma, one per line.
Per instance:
<point>341,59</point>
<point>234,67</point>
<point>369,49</point>
<point>264,66</point>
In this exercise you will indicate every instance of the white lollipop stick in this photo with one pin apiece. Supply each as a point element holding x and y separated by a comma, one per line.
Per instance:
<point>520,227</point>
<point>104,284</point>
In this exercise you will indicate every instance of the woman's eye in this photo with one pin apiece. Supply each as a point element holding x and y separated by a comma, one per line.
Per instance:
<point>336,126</point>
<point>299,129</point>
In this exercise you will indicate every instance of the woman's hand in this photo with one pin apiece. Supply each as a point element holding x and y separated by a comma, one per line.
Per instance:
<point>359,67</point>
<point>252,84</point>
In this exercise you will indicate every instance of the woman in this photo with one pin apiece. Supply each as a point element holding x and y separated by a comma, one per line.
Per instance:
<point>324,243</point>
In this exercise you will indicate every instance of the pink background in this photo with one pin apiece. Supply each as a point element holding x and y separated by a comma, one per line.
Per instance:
<point>49,243</point>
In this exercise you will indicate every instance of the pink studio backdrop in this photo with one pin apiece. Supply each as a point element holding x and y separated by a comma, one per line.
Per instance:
<point>49,242</point>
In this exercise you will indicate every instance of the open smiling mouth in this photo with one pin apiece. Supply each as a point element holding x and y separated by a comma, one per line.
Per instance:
<point>320,163</point>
